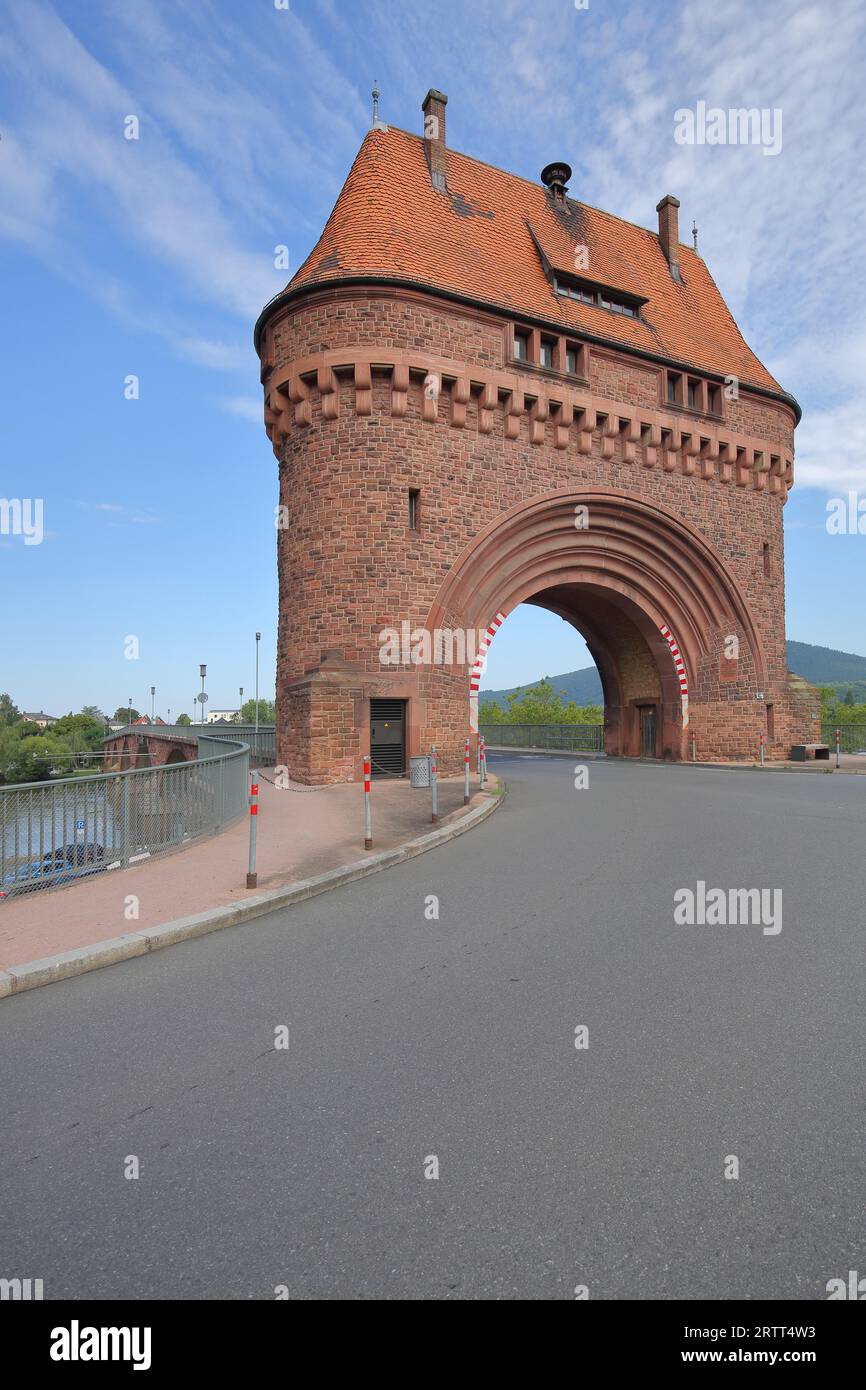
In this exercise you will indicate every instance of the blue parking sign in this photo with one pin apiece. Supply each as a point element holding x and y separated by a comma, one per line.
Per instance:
<point>79,825</point>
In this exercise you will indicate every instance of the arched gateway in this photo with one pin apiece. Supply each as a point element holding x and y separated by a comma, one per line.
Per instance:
<point>482,393</point>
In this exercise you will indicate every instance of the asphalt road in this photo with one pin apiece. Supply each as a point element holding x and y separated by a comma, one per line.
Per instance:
<point>411,1037</point>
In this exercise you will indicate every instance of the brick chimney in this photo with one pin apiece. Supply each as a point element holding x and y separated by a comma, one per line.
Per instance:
<point>433,107</point>
<point>669,232</point>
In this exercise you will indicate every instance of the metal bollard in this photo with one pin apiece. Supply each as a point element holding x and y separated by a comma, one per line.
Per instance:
<point>762,750</point>
<point>837,747</point>
<point>252,876</point>
<point>368,814</point>
<point>694,751</point>
<point>466,774</point>
<point>434,786</point>
<point>482,763</point>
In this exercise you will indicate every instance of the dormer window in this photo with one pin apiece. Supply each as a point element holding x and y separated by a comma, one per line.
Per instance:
<point>602,299</point>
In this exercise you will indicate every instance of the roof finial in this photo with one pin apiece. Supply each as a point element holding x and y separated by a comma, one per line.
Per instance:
<point>375,102</point>
<point>695,233</point>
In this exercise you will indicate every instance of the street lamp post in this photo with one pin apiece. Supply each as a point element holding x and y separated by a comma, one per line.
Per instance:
<point>241,705</point>
<point>130,709</point>
<point>202,670</point>
<point>258,639</point>
<point>152,702</point>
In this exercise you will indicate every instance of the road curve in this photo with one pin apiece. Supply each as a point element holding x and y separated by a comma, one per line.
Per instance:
<point>412,1038</point>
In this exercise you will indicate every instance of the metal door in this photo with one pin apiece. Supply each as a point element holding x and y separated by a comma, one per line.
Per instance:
<point>388,738</point>
<point>648,731</point>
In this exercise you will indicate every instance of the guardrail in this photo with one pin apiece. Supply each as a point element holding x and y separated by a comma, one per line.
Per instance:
<point>852,737</point>
<point>53,833</point>
<point>577,738</point>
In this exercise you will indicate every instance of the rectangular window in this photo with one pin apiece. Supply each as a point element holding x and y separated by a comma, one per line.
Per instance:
<point>414,494</point>
<point>771,724</point>
<point>521,346</point>
<point>714,400</point>
<point>693,393</point>
<point>674,388</point>
<point>546,352</point>
<point>572,360</point>
<point>767,559</point>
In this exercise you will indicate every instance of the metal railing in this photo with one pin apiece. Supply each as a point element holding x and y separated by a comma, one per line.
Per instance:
<point>54,833</point>
<point>577,738</point>
<point>852,737</point>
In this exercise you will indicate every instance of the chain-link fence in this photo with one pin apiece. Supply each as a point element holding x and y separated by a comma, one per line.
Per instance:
<point>577,738</point>
<point>852,737</point>
<point>53,833</point>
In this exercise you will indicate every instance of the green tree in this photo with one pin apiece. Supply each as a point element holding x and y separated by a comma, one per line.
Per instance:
<point>81,731</point>
<point>9,712</point>
<point>267,712</point>
<point>183,719</point>
<point>26,757</point>
<point>539,704</point>
<point>124,715</point>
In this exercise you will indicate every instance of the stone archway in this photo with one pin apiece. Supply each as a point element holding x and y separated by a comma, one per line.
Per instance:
<point>651,597</point>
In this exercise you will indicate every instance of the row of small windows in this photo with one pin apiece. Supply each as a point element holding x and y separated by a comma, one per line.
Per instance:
<point>694,392</point>
<point>600,298</point>
<point>542,351</point>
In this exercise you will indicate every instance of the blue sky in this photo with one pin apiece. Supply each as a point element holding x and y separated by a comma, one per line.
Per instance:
<point>153,257</point>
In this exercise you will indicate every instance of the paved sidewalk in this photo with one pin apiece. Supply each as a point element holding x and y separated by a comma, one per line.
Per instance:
<point>300,834</point>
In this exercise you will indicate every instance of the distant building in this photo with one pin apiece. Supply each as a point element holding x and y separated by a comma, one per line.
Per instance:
<point>43,720</point>
<point>223,716</point>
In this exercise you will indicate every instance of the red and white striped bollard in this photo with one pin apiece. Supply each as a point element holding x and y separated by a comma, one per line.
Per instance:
<point>368,814</point>
<point>252,875</point>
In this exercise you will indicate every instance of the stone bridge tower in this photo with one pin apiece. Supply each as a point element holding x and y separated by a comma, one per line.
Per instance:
<point>482,392</point>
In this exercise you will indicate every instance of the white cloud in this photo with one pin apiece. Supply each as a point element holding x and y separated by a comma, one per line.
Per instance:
<point>831,449</point>
<point>245,407</point>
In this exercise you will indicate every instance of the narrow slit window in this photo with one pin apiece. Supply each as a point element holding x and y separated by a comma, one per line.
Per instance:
<point>767,558</point>
<point>414,494</point>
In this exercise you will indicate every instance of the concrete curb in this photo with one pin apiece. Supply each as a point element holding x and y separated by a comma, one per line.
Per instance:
<point>35,973</point>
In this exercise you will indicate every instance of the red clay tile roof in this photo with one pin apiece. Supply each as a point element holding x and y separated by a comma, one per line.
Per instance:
<point>475,240</point>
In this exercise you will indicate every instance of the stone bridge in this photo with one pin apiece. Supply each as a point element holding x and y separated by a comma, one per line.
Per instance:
<point>143,746</point>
